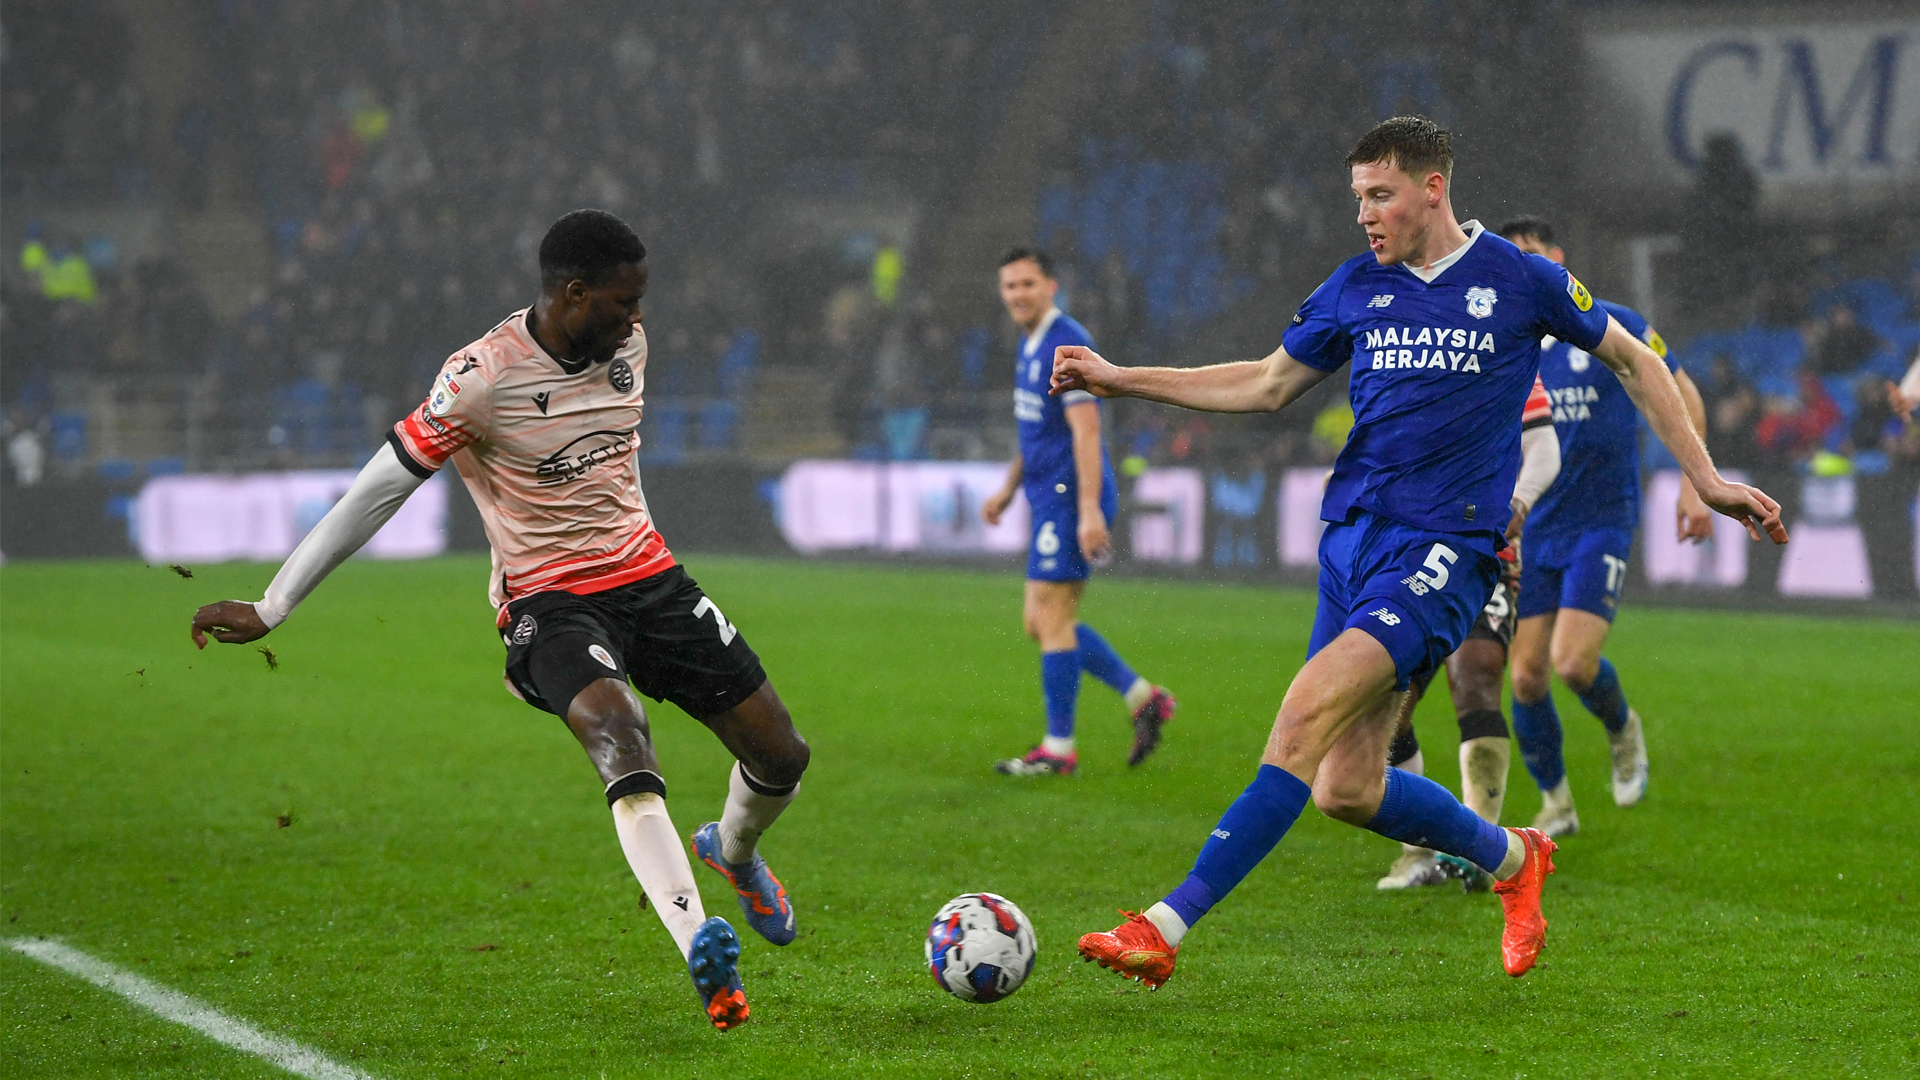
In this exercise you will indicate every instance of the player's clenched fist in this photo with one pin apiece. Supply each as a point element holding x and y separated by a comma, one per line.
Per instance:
<point>1076,367</point>
<point>232,621</point>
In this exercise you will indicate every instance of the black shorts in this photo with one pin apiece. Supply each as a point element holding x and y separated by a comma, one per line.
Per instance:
<point>660,633</point>
<point>1495,622</point>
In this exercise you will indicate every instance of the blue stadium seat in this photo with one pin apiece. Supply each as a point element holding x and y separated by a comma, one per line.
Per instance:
<point>663,434</point>
<point>718,423</point>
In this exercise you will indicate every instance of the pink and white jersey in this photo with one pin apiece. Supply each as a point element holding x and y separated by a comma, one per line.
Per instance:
<point>547,450</point>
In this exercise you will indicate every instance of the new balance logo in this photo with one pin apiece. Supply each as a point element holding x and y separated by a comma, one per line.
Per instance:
<point>1381,301</point>
<point>540,399</point>
<point>1223,834</point>
<point>1385,616</point>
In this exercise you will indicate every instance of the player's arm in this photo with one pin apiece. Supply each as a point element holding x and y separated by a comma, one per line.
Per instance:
<point>1244,386</point>
<point>998,502</point>
<point>1539,465</point>
<point>1692,520</point>
<point>1089,472</point>
<point>1657,396</point>
<point>373,499</point>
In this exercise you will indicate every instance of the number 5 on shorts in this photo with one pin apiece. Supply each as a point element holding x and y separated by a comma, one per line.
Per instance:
<point>1439,560</point>
<point>727,630</point>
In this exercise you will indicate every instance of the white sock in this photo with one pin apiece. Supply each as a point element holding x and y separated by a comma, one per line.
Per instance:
<point>659,860</point>
<point>748,814</point>
<point>1057,746</point>
<point>1516,857</point>
<point>1417,764</point>
<point>1559,796</point>
<point>1138,694</point>
<point>1169,924</point>
<point>1483,775</point>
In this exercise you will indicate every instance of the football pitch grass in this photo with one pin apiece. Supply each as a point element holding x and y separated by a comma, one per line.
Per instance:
<point>376,852</point>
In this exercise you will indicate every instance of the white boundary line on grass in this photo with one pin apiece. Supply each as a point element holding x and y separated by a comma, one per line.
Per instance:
<point>181,1009</point>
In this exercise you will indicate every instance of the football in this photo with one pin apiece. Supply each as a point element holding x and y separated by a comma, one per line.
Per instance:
<point>980,947</point>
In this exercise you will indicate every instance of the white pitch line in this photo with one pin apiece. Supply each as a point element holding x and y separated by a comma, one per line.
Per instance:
<point>181,1009</point>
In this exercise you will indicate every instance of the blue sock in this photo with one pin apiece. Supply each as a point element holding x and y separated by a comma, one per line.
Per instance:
<point>1537,726</point>
<point>1605,699</point>
<point>1102,662</point>
<point>1248,830</point>
<point>1417,811</point>
<point>1060,681</point>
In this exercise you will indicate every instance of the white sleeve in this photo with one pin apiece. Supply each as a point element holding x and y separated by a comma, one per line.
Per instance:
<point>1539,463</point>
<point>375,496</point>
<point>1910,385</point>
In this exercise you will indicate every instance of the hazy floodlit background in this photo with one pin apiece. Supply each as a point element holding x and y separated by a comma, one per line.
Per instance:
<point>239,237</point>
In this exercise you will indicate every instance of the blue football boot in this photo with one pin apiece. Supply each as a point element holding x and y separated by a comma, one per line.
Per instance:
<point>762,896</point>
<point>714,963</point>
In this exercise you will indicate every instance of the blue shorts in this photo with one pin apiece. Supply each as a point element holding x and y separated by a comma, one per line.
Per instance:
<point>1416,591</point>
<point>1053,550</point>
<point>1584,571</point>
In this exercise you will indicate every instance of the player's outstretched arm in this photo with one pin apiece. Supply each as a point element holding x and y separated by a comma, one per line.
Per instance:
<point>1657,396</point>
<point>1692,520</point>
<point>373,499</point>
<point>1244,386</point>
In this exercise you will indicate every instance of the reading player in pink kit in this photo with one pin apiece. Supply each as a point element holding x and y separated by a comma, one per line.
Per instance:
<point>541,417</point>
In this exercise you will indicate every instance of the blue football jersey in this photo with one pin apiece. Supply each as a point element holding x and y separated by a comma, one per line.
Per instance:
<point>1441,372</point>
<point>1599,428</point>
<point>1046,442</point>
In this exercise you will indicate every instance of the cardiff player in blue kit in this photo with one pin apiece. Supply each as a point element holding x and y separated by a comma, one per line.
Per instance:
<point>1579,537</point>
<point>1063,468</point>
<point>1442,324</point>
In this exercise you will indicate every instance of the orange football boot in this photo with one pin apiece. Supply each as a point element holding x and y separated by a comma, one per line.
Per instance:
<point>1526,932</point>
<point>1133,950</point>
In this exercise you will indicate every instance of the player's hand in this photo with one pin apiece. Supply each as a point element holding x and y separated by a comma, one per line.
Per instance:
<point>996,505</point>
<point>1747,505</point>
<point>1076,367</point>
<point>1516,525</point>
<point>1096,543</point>
<point>1518,522</point>
<point>1692,520</point>
<point>232,621</point>
<point>1903,405</point>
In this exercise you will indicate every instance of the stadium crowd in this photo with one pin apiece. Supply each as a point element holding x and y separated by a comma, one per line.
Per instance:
<point>403,160</point>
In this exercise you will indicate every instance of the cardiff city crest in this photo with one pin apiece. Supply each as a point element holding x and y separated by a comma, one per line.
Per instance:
<point>1480,301</point>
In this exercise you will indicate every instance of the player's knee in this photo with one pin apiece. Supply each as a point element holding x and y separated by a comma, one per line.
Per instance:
<point>1576,670</point>
<point>1476,692</point>
<point>1529,683</point>
<point>1349,799</point>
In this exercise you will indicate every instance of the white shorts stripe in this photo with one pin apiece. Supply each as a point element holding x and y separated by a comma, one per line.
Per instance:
<point>181,1009</point>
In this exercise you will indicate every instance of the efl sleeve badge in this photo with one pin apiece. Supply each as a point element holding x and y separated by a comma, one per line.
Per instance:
<point>1582,299</point>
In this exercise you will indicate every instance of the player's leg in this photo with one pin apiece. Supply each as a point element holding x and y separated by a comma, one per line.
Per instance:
<point>1580,635</point>
<point>1473,678</point>
<point>1486,750</point>
<point>1050,612</point>
<point>683,649</point>
<point>769,759</point>
<point>575,663</point>
<point>1536,722</point>
<point>1416,865</point>
<point>1151,706</point>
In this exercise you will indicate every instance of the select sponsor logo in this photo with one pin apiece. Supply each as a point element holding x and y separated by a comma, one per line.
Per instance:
<point>570,463</point>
